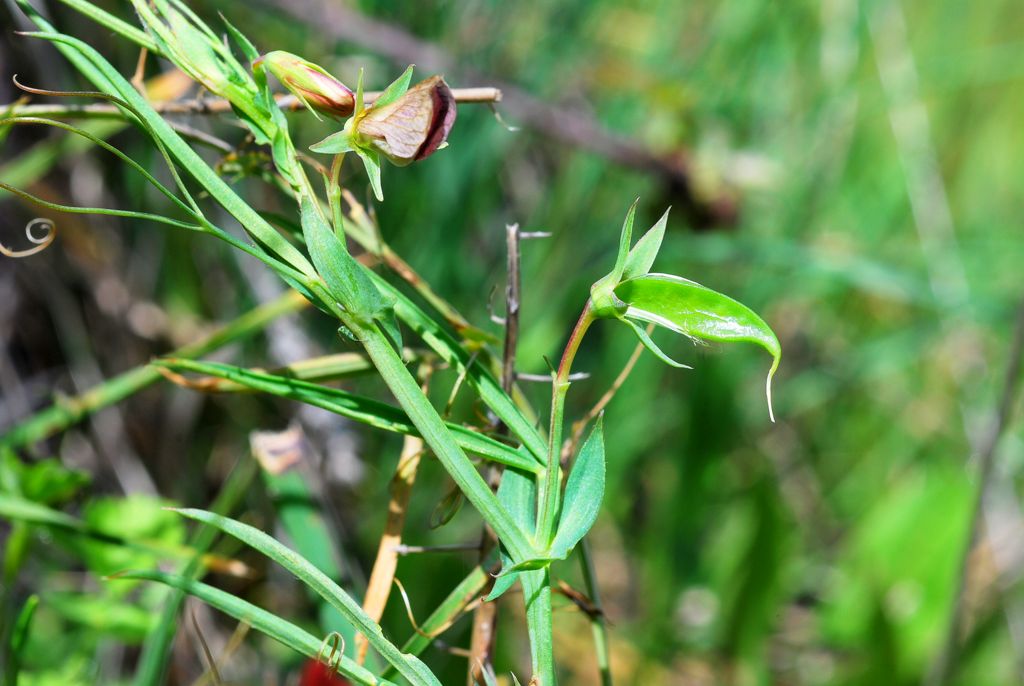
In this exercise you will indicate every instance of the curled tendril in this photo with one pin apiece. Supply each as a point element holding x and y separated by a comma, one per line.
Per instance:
<point>439,630</point>
<point>134,115</point>
<point>42,242</point>
<point>334,642</point>
<point>72,94</point>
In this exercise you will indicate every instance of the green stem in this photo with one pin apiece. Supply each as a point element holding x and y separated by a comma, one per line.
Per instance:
<point>550,487</point>
<point>597,622</point>
<point>334,195</point>
<point>537,596</point>
<point>431,427</point>
<point>69,411</point>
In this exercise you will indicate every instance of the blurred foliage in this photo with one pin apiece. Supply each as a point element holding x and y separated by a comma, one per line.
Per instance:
<point>820,550</point>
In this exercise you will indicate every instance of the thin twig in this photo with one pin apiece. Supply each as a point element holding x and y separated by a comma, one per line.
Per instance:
<point>383,574</point>
<point>945,663</point>
<point>449,548</point>
<point>205,106</point>
<point>485,618</point>
<point>546,378</point>
<point>512,291</point>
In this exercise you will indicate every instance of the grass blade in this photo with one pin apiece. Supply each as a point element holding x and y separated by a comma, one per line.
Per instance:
<point>265,622</point>
<point>374,413</point>
<point>408,666</point>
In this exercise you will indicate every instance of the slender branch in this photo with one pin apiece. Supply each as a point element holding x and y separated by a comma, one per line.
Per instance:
<point>598,625</point>
<point>551,485</point>
<point>382,576</point>
<point>485,617</point>
<point>943,667</point>
<point>465,96</point>
<point>513,288</point>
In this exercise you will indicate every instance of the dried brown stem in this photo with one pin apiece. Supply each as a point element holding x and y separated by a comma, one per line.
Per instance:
<point>382,577</point>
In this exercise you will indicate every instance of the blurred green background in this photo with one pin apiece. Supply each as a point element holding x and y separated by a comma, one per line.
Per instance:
<point>855,172</point>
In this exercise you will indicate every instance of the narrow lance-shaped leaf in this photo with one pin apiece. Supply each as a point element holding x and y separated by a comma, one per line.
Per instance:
<point>696,311</point>
<point>408,666</point>
<point>625,238</point>
<point>345,277</point>
<point>648,342</point>
<point>396,90</point>
<point>366,410</point>
<point>518,495</point>
<point>280,630</point>
<point>602,293</point>
<point>641,257</point>
<point>584,491</point>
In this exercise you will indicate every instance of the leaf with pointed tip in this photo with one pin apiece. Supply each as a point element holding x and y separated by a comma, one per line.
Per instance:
<point>602,293</point>
<point>641,257</point>
<point>408,666</point>
<point>696,311</point>
<point>517,495</point>
<point>366,410</point>
<point>243,42</point>
<point>625,239</point>
<point>371,160</point>
<point>396,90</point>
<point>360,106</point>
<point>648,342</point>
<point>334,144</point>
<point>502,584</point>
<point>345,278</point>
<point>584,491</point>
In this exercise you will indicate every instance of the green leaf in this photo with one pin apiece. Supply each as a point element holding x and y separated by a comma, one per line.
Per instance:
<point>641,257</point>
<point>625,238</point>
<point>518,496</point>
<point>368,411</point>
<point>18,509</point>
<point>408,666</point>
<point>463,361</point>
<point>18,639</point>
<point>693,310</point>
<point>243,43</point>
<point>648,342</point>
<point>265,622</point>
<point>345,278</point>
<point>502,584</point>
<point>396,90</point>
<point>602,293</point>
<point>334,144</point>
<point>371,160</point>
<point>584,491</point>
<point>527,565</point>
<point>359,93</point>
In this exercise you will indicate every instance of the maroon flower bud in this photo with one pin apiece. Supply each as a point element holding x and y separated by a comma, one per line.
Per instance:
<point>413,126</point>
<point>310,83</point>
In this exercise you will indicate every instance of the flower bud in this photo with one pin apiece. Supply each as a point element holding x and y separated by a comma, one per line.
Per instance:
<point>310,83</point>
<point>413,126</point>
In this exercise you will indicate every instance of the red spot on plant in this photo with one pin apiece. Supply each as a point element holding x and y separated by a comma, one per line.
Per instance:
<point>316,673</point>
